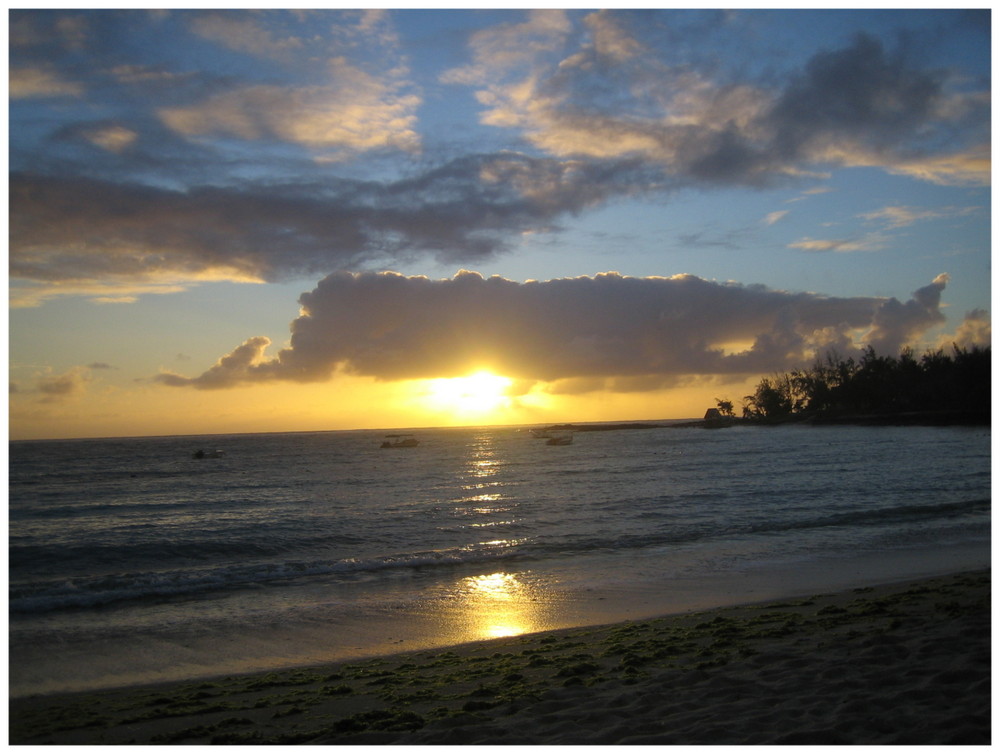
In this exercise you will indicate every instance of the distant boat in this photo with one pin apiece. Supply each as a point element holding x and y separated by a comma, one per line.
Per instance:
<point>199,454</point>
<point>560,440</point>
<point>540,434</point>
<point>400,441</point>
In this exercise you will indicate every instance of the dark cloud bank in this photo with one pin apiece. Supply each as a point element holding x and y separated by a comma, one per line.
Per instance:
<point>643,330</point>
<point>84,228</point>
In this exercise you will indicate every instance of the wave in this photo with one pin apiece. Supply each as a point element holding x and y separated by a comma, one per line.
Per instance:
<point>714,527</point>
<point>91,592</point>
<point>147,545</point>
<point>900,514</point>
<point>197,580</point>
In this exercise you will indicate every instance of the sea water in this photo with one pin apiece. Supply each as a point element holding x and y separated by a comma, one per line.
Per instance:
<point>130,560</point>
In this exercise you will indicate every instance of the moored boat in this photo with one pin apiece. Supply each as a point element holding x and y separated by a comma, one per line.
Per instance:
<point>400,441</point>
<point>199,454</point>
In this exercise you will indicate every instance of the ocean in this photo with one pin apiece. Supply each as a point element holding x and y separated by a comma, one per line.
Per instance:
<point>132,561</point>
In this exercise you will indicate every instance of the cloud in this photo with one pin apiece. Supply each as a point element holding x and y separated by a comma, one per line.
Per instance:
<point>640,331</point>
<point>610,41</point>
<point>68,234</point>
<point>508,47</point>
<point>871,242</point>
<point>860,105</point>
<point>900,217</point>
<point>25,83</point>
<point>357,96</point>
<point>245,35</point>
<point>896,323</point>
<point>237,366</point>
<point>975,330</point>
<point>970,168</point>
<point>891,218</point>
<point>48,30</point>
<point>106,135</point>
<point>773,217</point>
<point>358,112</point>
<point>147,76</point>
<point>62,387</point>
<point>125,290</point>
<point>809,192</point>
<point>858,92</point>
<point>226,174</point>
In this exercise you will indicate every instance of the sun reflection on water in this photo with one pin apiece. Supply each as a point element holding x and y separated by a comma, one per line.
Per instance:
<point>491,605</point>
<point>483,462</point>
<point>499,604</point>
<point>484,467</point>
<point>486,495</point>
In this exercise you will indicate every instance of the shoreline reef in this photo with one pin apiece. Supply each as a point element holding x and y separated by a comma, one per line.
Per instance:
<point>902,663</point>
<point>889,419</point>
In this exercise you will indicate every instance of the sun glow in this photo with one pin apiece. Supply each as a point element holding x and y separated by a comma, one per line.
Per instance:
<point>476,394</point>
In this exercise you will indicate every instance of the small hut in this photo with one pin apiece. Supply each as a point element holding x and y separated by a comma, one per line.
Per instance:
<point>714,419</point>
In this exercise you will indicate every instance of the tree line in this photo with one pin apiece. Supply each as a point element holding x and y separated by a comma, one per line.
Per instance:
<point>834,387</point>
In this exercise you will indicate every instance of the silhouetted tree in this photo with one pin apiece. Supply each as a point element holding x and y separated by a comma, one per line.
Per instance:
<point>725,407</point>
<point>775,398</point>
<point>878,384</point>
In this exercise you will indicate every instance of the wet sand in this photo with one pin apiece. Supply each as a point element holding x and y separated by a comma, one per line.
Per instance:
<point>905,663</point>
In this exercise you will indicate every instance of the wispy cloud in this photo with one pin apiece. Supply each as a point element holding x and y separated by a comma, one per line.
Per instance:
<point>25,83</point>
<point>357,113</point>
<point>859,105</point>
<point>873,242</point>
<point>511,47</point>
<point>362,99</point>
<point>62,387</point>
<point>245,34</point>
<point>901,217</point>
<point>808,193</point>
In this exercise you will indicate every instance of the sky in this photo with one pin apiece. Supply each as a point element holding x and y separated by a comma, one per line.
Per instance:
<point>263,221</point>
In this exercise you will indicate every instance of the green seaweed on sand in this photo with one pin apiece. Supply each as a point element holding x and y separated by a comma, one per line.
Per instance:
<point>338,690</point>
<point>200,731</point>
<point>380,719</point>
<point>578,668</point>
<point>478,705</point>
<point>287,712</point>
<point>180,710</point>
<point>295,678</point>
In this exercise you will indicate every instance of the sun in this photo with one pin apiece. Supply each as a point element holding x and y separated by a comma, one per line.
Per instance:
<point>476,394</point>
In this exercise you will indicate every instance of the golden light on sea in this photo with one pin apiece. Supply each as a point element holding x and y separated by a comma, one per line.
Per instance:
<point>499,604</point>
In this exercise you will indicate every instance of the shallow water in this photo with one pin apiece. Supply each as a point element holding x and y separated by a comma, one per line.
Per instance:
<point>132,561</point>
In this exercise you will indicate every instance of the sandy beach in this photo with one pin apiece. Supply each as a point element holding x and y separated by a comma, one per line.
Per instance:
<point>905,663</point>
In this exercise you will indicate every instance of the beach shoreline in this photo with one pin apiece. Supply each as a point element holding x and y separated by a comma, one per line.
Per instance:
<point>902,662</point>
<point>477,605</point>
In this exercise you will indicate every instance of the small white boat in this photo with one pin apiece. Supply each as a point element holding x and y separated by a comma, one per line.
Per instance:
<point>540,434</point>
<point>400,441</point>
<point>566,439</point>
